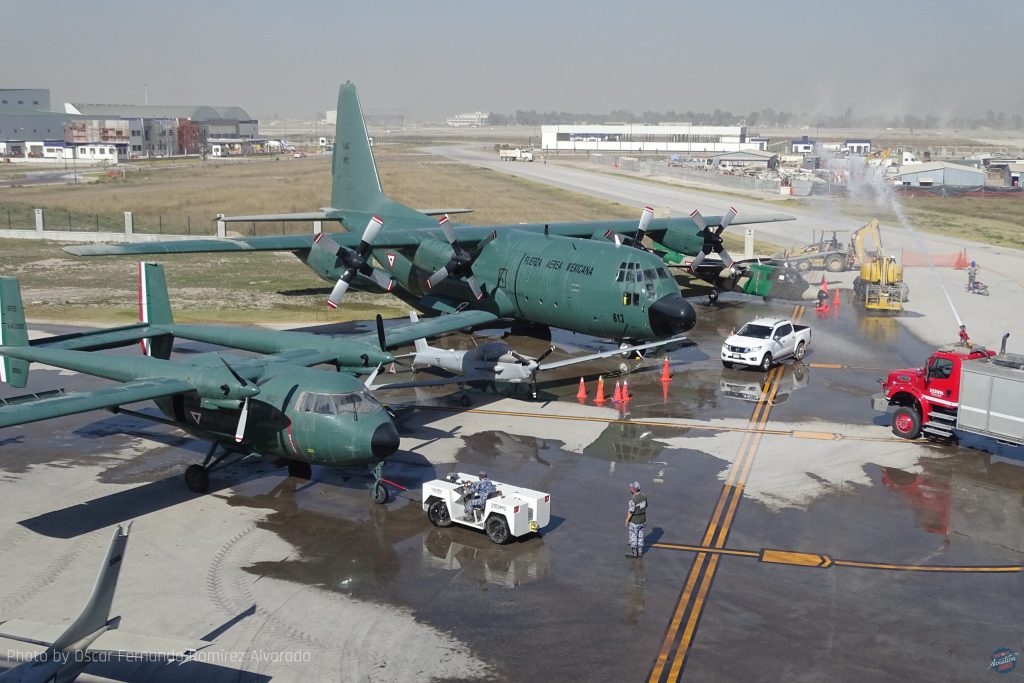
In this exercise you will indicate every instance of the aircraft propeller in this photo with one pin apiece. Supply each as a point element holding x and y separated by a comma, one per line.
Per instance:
<point>712,240</point>
<point>243,389</point>
<point>461,262</point>
<point>355,261</point>
<point>637,240</point>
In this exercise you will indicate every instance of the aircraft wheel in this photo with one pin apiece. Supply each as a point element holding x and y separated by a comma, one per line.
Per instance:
<point>438,514</point>
<point>299,470</point>
<point>497,529</point>
<point>379,492</point>
<point>464,401</point>
<point>197,478</point>
<point>713,297</point>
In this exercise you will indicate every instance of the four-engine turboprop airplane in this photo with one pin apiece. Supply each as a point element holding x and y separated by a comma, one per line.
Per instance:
<point>60,652</point>
<point>538,273</point>
<point>494,361</point>
<point>276,405</point>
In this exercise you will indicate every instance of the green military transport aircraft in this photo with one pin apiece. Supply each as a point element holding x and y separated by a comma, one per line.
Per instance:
<point>275,405</point>
<point>538,273</point>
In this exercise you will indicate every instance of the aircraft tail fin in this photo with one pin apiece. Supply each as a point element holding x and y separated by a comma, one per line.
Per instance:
<point>421,343</point>
<point>355,184</point>
<point>96,612</point>
<point>13,332</point>
<point>154,308</point>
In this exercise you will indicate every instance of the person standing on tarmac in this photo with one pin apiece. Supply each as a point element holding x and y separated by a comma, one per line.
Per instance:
<point>972,275</point>
<point>636,520</point>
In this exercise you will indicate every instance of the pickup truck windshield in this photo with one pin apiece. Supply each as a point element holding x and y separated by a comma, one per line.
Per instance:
<point>755,331</point>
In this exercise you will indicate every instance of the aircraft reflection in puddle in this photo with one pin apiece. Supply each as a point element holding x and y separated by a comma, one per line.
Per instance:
<point>478,559</point>
<point>747,385</point>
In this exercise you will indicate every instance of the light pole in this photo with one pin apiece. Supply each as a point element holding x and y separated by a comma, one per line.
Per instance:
<point>145,88</point>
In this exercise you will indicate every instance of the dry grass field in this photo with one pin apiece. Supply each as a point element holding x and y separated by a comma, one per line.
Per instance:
<point>268,287</point>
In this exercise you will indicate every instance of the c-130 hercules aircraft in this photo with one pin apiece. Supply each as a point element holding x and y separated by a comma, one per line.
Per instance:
<point>537,273</point>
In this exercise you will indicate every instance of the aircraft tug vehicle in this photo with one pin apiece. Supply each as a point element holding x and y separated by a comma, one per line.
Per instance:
<point>510,512</point>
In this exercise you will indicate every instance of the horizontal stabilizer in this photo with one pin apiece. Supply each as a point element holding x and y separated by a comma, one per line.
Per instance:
<point>32,632</point>
<point>321,215</point>
<point>270,243</point>
<point>125,643</point>
<point>759,218</point>
<point>441,212</point>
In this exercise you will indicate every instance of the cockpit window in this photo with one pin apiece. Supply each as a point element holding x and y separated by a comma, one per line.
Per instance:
<point>352,403</point>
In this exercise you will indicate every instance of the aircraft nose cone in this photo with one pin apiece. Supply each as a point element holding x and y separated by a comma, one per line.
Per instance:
<point>671,315</point>
<point>384,441</point>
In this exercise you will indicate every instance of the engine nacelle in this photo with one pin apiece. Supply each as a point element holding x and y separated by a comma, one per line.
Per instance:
<point>682,236</point>
<point>431,255</point>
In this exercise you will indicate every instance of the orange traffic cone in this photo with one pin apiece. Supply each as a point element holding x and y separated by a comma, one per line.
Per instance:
<point>582,393</point>
<point>617,395</point>
<point>625,390</point>
<point>599,398</point>
<point>836,302</point>
<point>664,392</point>
<point>666,376</point>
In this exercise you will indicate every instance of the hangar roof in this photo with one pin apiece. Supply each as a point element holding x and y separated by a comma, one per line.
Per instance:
<point>193,112</point>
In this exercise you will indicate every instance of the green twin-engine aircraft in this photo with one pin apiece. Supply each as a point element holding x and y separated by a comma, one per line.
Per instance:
<point>276,405</point>
<point>605,284</point>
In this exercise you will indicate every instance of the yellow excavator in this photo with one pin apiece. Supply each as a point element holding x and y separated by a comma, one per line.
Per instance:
<point>880,286</point>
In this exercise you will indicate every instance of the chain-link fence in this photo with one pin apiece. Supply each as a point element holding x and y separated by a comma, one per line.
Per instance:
<point>17,218</point>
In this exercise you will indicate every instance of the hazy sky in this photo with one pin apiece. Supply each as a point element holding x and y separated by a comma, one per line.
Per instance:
<point>432,59</point>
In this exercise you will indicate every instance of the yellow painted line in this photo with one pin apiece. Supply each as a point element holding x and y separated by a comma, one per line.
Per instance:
<point>821,436</point>
<point>798,558</point>
<point>739,473</point>
<point>703,426</point>
<point>792,557</point>
<point>697,548</point>
<point>829,366</point>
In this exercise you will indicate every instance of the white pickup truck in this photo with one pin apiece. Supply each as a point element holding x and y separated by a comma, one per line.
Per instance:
<point>763,342</point>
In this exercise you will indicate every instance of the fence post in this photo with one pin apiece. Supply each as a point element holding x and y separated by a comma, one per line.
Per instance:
<point>129,224</point>
<point>221,231</point>
<point>748,243</point>
<point>39,221</point>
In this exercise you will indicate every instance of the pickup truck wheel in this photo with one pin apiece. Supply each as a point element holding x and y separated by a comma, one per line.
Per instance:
<point>438,515</point>
<point>906,423</point>
<point>726,364</point>
<point>801,349</point>
<point>497,529</point>
<point>766,362</point>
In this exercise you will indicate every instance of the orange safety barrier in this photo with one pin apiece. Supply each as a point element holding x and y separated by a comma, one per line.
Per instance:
<point>914,259</point>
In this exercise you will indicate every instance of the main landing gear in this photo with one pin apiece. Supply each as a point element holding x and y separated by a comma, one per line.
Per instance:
<point>197,477</point>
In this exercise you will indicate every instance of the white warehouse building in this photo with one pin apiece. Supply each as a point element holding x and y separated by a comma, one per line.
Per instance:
<point>669,137</point>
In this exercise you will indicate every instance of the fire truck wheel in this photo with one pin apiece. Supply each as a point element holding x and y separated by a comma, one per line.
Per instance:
<point>906,423</point>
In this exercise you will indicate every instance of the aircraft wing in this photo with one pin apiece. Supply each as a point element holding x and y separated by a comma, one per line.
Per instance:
<point>97,340</point>
<point>270,243</point>
<point>608,354</point>
<point>124,643</point>
<point>403,334</point>
<point>28,632</point>
<point>107,397</point>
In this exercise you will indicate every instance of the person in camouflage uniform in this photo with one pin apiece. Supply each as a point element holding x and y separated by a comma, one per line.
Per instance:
<point>636,520</point>
<point>476,494</point>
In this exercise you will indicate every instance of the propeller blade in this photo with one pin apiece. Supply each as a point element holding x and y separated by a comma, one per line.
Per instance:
<point>698,219</point>
<point>372,230</point>
<point>437,277</point>
<point>645,221</point>
<point>727,260</point>
<point>726,220</point>
<point>449,234</point>
<point>381,279</point>
<point>327,243</point>
<point>545,354</point>
<point>520,358</point>
<point>380,332</point>
<point>477,292</point>
<point>340,287</point>
<point>485,241</point>
<point>240,429</point>
<point>698,259</point>
<point>238,378</point>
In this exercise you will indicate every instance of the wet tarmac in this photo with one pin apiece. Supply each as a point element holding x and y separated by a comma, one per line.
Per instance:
<point>790,535</point>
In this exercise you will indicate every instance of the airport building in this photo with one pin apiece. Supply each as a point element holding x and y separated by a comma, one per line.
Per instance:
<point>744,159</point>
<point>474,119</point>
<point>936,173</point>
<point>669,137</point>
<point>27,126</point>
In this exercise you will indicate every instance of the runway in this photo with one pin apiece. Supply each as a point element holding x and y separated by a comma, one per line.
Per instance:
<point>790,535</point>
